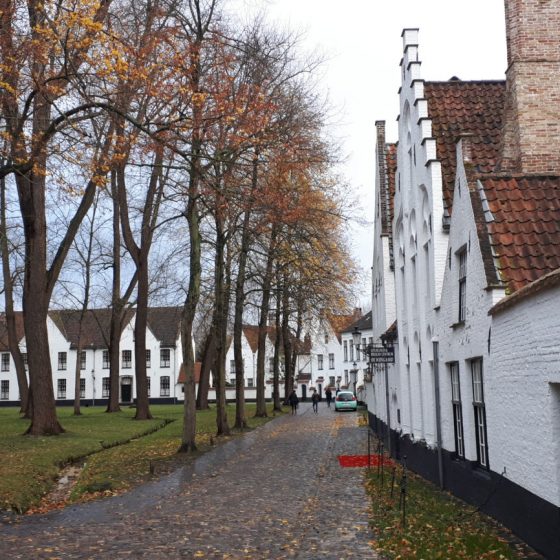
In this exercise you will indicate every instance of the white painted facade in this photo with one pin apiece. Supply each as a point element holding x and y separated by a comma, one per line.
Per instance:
<point>162,369</point>
<point>523,393</point>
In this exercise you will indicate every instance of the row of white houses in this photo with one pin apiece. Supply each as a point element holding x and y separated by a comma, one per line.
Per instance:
<point>467,273</point>
<point>323,358</point>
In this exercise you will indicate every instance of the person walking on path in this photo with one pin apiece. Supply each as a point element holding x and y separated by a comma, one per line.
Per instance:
<point>315,401</point>
<point>293,400</point>
<point>328,395</point>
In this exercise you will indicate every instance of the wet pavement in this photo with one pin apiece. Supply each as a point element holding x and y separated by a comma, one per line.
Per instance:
<point>277,492</point>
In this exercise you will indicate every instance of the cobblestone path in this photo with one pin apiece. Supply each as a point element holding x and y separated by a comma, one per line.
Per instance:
<point>275,493</point>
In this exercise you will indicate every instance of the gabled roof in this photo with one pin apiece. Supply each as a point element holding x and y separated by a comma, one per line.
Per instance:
<point>95,328</point>
<point>165,323</point>
<point>391,170</point>
<point>522,218</point>
<point>340,323</point>
<point>4,347</point>
<point>363,323</point>
<point>251,333</point>
<point>457,108</point>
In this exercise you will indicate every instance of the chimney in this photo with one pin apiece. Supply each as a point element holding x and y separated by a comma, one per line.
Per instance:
<point>531,138</point>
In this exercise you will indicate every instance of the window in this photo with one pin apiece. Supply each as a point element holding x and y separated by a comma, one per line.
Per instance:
<point>331,381</point>
<point>457,409</point>
<point>346,378</point>
<point>479,413</point>
<point>149,385</point>
<point>271,365</point>
<point>232,380</point>
<point>351,351</point>
<point>5,361</point>
<point>105,359</point>
<point>331,361</point>
<point>126,359</point>
<point>250,383</point>
<point>345,350</point>
<point>326,338</point>
<point>61,387</point>
<point>164,386</point>
<point>462,285</point>
<point>148,358</point>
<point>4,389</point>
<point>165,358</point>
<point>62,362</point>
<point>105,388</point>
<point>232,367</point>
<point>24,358</point>
<point>319,361</point>
<point>83,360</point>
<point>82,388</point>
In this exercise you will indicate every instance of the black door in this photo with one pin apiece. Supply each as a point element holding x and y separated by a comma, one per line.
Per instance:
<point>126,393</point>
<point>303,392</point>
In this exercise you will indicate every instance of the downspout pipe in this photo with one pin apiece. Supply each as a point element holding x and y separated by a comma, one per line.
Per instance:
<point>435,344</point>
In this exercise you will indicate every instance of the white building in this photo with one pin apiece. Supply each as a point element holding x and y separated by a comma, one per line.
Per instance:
<point>475,218</point>
<point>163,357</point>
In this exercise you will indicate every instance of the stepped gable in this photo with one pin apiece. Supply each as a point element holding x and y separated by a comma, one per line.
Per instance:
<point>522,215</point>
<point>20,333</point>
<point>457,108</point>
<point>165,323</point>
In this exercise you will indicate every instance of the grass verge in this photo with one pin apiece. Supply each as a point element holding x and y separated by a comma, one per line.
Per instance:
<point>118,450</point>
<point>437,524</point>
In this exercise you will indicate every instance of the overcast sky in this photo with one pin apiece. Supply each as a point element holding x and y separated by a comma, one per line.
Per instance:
<point>362,42</point>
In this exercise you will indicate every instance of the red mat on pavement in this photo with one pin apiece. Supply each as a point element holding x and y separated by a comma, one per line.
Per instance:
<point>361,460</point>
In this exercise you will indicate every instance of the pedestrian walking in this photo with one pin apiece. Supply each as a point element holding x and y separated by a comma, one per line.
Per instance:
<point>315,401</point>
<point>328,395</point>
<point>293,400</point>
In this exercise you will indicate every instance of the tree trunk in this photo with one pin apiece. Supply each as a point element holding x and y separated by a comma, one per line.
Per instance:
<point>286,340</point>
<point>218,329</point>
<point>208,359</point>
<point>13,342</point>
<point>277,346</point>
<point>263,328</point>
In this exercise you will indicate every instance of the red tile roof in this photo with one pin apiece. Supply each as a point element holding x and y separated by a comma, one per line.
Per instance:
<point>182,376</point>
<point>251,333</point>
<point>455,108</point>
<point>524,227</point>
<point>391,166</point>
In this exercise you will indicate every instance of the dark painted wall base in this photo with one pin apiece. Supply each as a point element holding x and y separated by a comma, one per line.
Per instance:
<point>533,519</point>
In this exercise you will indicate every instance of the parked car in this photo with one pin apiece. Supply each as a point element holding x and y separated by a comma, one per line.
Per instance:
<point>345,400</point>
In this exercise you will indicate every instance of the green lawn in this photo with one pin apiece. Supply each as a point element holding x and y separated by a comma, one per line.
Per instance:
<point>437,524</point>
<point>119,450</point>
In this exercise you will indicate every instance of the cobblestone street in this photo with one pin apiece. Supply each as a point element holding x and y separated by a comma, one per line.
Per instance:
<point>277,492</point>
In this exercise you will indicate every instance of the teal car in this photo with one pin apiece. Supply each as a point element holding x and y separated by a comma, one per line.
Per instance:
<point>345,400</point>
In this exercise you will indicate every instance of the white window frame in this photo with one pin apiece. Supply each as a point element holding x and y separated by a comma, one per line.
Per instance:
<point>165,357</point>
<point>4,389</point>
<point>165,386</point>
<point>462,260</point>
<point>62,361</point>
<point>5,361</point>
<point>479,413</point>
<point>126,359</point>
<point>61,388</point>
<point>458,427</point>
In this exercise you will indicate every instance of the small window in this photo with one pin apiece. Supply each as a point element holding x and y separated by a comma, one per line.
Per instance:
<point>4,389</point>
<point>83,359</point>
<point>105,387</point>
<point>232,380</point>
<point>165,358</point>
<point>148,358</point>
<point>105,359</point>
<point>62,362</point>
<point>326,338</point>
<point>319,361</point>
<point>149,385</point>
<point>164,386</point>
<point>331,361</point>
<point>126,359</point>
<point>271,365</point>
<point>61,387</point>
<point>457,409</point>
<point>232,367</point>
<point>82,388</point>
<point>351,351</point>
<point>5,361</point>
<point>479,413</point>
<point>345,350</point>
<point>24,358</point>
<point>250,382</point>
<point>462,285</point>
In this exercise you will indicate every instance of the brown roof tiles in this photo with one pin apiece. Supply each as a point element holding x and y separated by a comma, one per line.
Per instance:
<point>458,108</point>
<point>524,232</point>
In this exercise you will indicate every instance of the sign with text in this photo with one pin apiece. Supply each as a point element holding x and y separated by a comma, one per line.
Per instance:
<point>379,354</point>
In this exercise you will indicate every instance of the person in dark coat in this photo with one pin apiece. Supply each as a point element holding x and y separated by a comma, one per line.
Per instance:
<point>315,401</point>
<point>328,395</point>
<point>293,400</point>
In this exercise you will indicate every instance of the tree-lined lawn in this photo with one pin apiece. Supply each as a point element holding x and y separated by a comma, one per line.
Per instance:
<point>118,451</point>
